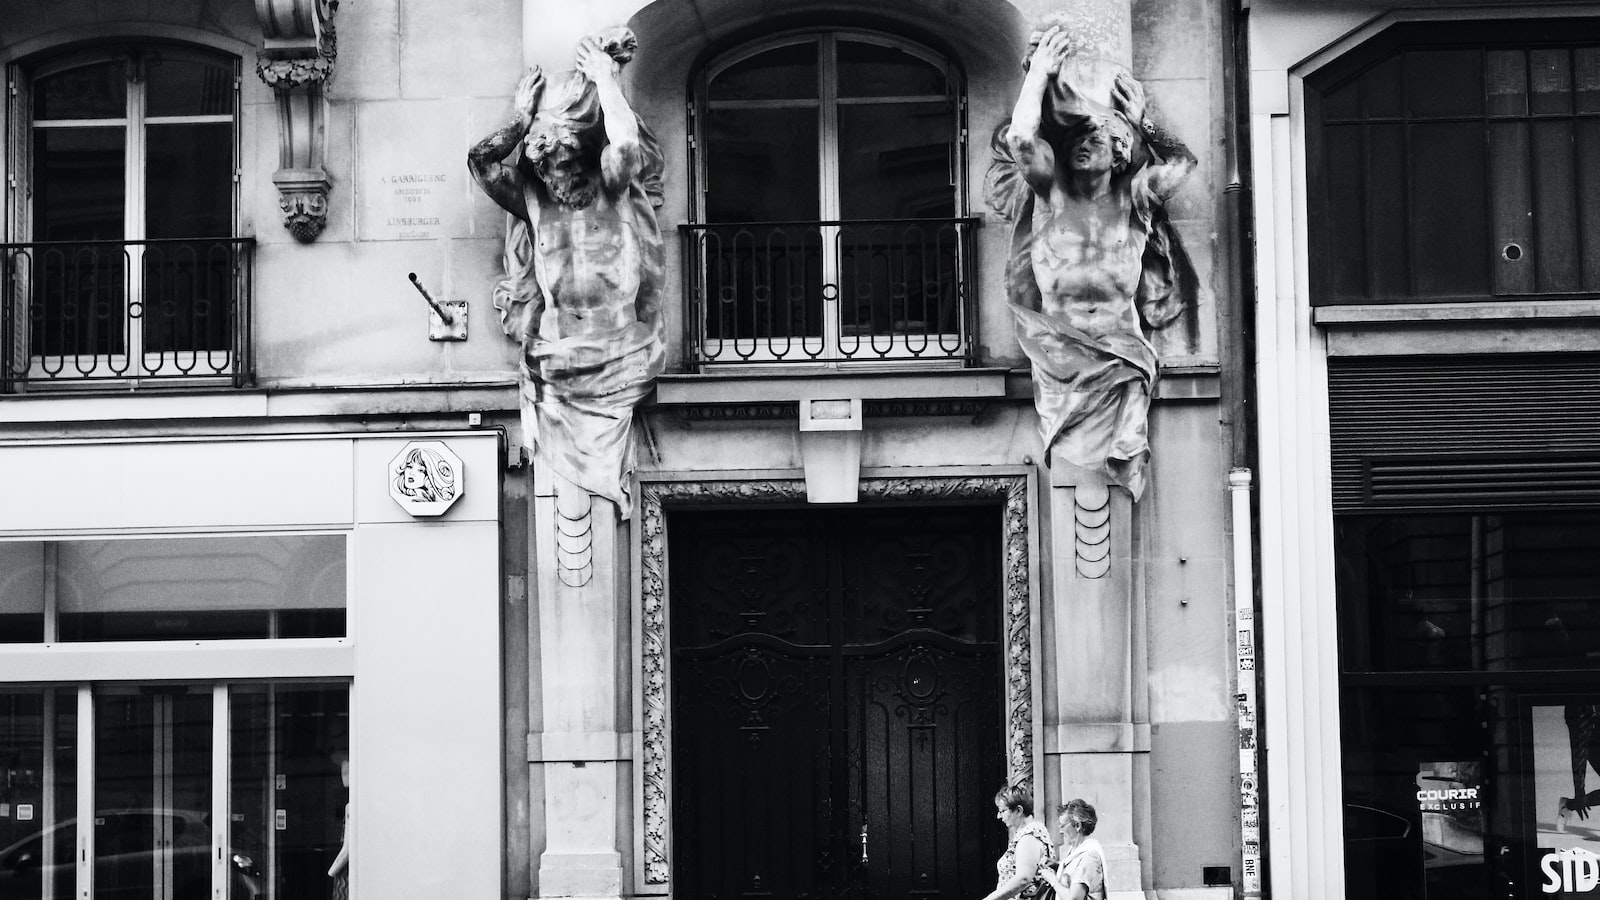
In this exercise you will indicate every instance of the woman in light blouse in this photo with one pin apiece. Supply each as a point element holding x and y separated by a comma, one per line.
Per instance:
<point>1029,851</point>
<point>1081,875</point>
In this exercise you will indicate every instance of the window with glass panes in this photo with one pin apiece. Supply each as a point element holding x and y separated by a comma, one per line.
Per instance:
<point>1458,162</point>
<point>129,212</point>
<point>828,188</point>
<point>174,721</point>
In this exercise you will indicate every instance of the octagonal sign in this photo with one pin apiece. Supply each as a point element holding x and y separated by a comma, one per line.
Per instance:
<point>426,477</point>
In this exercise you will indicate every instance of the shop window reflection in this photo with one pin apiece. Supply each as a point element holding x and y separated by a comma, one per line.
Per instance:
<point>153,754</point>
<point>1465,592</point>
<point>38,797</point>
<point>153,589</point>
<point>1468,644</point>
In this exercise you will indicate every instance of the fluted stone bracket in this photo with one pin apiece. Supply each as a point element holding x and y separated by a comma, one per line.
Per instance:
<point>296,62</point>
<point>1010,491</point>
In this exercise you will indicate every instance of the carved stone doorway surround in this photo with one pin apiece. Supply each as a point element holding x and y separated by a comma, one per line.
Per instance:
<point>653,774</point>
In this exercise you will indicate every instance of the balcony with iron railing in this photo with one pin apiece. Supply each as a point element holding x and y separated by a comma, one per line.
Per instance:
<point>881,292</point>
<point>125,314</point>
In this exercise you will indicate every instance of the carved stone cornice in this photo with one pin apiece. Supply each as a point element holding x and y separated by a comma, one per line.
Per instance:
<point>916,408</point>
<point>296,61</point>
<point>655,497</point>
<point>749,412</point>
<point>288,74</point>
<point>738,412</point>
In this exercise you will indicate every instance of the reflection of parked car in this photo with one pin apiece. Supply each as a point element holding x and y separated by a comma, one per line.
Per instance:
<point>1386,855</point>
<point>1382,854</point>
<point>126,854</point>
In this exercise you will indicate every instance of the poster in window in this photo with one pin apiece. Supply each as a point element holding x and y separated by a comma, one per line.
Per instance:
<point>1566,797</point>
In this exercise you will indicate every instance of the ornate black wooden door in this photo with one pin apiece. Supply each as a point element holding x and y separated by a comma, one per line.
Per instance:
<point>836,727</point>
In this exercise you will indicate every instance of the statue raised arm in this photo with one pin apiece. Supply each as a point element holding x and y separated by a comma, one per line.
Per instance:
<point>1094,260</point>
<point>579,177</point>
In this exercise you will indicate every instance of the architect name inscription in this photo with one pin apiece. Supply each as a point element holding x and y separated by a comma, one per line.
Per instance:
<point>411,203</point>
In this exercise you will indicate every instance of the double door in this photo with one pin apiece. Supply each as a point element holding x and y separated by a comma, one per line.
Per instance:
<point>836,687</point>
<point>153,790</point>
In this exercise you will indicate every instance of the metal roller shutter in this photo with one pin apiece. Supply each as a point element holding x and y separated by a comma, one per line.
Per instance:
<point>1485,432</point>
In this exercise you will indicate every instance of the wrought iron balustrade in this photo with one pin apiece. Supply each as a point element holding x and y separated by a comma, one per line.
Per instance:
<point>129,311</point>
<point>833,291</point>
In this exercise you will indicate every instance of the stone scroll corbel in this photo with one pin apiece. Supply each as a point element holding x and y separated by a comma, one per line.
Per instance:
<point>296,62</point>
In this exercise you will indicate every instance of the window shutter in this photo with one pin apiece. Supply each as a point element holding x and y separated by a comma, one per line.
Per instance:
<point>1481,432</point>
<point>19,154</point>
<point>17,267</point>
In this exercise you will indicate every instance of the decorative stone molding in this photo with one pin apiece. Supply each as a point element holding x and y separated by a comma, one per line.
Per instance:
<point>296,62</point>
<point>913,408</point>
<point>1017,652</point>
<point>737,412</point>
<point>303,197</point>
<point>744,412</point>
<point>574,535</point>
<point>1091,521</point>
<point>287,74</point>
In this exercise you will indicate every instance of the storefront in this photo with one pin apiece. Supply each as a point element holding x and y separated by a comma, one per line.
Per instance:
<point>224,669</point>
<point>1427,268</point>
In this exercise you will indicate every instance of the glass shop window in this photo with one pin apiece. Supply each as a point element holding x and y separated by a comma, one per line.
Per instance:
<point>1457,163</point>
<point>150,821</point>
<point>192,588</point>
<point>1470,703</point>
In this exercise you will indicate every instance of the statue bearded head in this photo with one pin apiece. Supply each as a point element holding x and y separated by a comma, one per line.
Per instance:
<point>559,157</point>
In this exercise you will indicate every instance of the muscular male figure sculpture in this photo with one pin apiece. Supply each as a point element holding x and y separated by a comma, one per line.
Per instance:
<point>1079,259</point>
<point>585,262</point>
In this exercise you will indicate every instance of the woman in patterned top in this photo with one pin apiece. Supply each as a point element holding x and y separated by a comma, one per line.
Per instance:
<point>1029,850</point>
<point>1082,875</point>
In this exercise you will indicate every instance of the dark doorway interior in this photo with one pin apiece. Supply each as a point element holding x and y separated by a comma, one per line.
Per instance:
<point>836,708</point>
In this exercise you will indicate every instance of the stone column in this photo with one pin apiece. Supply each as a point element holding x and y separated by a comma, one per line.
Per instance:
<point>580,585</point>
<point>1098,733</point>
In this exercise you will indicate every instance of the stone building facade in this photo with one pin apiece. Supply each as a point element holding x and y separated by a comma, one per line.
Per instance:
<point>289,606</point>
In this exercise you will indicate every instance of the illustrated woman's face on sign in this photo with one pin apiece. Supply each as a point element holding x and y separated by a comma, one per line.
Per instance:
<point>414,475</point>
<point>425,475</point>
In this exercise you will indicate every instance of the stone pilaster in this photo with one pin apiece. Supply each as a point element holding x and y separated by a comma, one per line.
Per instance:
<point>1098,735</point>
<point>580,748</point>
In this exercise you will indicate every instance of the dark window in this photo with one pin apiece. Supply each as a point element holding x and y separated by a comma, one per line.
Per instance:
<point>829,184</point>
<point>130,267</point>
<point>1467,168</point>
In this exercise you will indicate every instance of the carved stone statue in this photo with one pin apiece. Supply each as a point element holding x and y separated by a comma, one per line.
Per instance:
<point>1094,259</point>
<point>580,175</point>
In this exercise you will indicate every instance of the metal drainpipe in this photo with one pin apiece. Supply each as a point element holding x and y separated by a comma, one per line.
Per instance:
<point>1237,350</point>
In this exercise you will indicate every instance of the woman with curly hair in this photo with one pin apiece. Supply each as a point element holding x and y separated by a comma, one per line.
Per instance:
<point>1029,850</point>
<point>1082,874</point>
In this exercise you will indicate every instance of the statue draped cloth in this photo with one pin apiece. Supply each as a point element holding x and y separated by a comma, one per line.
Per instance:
<point>584,367</point>
<point>1091,391</point>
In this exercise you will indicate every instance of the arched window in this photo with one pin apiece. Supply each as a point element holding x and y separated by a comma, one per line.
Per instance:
<point>1457,162</point>
<point>129,165</point>
<point>829,194</point>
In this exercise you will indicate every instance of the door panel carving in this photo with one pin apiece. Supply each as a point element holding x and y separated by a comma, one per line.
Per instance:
<point>836,703</point>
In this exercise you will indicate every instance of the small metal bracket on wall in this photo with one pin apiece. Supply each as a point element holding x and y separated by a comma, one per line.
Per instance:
<point>447,319</point>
